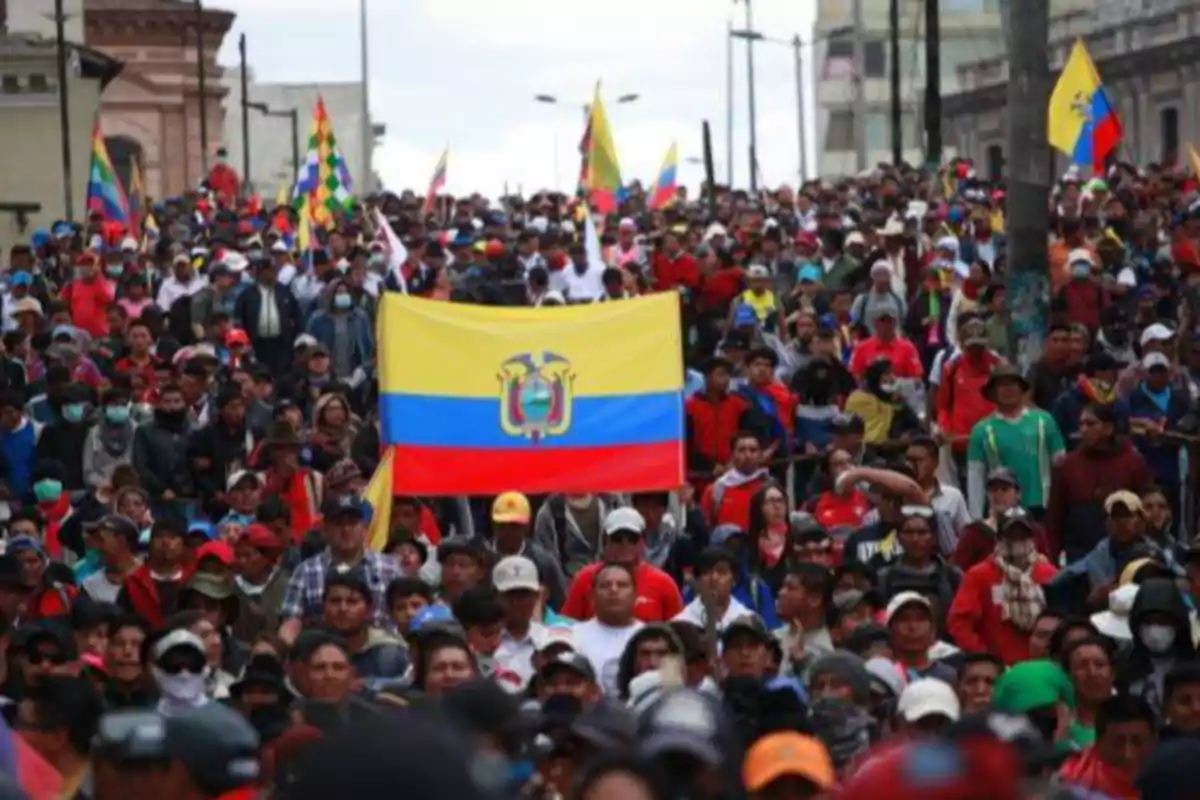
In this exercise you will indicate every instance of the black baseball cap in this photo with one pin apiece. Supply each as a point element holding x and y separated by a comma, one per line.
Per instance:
<point>344,506</point>
<point>1003,475</point>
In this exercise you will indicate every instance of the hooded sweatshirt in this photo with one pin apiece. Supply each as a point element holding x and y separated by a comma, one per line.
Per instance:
<point>1141,672</point>
<point>626,665</point>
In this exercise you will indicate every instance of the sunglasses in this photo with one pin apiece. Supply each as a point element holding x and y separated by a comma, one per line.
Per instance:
<point>924,512</point>
<point>36,659</point>
<point>624,537</point>
<point>194,666</point>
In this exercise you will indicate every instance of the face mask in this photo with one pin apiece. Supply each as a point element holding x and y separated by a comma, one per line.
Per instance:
<point>1157,638</point>
<point>376,260</point>
<point>1018,553</point>
<point>1079,271</point>
<point>82,273</point>
<point>185,687</point>
<point>888,387</point>
<point>74,412</point>
<point>47,491</point>
<point>114,270</point>
<point>117,415</point>
<point>342,301</point>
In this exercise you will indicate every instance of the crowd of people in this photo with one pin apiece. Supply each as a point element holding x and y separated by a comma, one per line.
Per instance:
<point>902,565</point>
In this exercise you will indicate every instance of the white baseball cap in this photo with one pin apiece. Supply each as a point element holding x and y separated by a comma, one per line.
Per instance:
<point>855,237</point>
<point>513,573</point>
<point>903,599</point>
<point>624,519</point>
<point>1157,333</point>
<point>927,697</point>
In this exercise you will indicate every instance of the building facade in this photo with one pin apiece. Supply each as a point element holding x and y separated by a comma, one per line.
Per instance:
<point>151,114</point>
<point>271,149</point>
<point>969,29</point>
<point>1146,54</point>
<point>31,155</point>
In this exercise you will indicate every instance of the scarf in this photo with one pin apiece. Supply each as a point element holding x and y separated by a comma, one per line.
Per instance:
<point>734,477</point>
<point>115,439</point>
<point>844,729</point>
<point>1161,399</point>
<point>1021,598</point>
<point>1095,391</point>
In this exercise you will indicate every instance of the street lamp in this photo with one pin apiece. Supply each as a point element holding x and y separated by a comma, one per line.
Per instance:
<point>750,38</point>
<point>294,116</point>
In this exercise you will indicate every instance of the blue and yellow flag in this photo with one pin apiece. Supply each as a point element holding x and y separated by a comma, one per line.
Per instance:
<point>379,495</point>
<point>482,400</point>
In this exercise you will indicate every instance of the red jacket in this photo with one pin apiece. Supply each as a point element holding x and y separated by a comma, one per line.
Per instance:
<point>974,620</point>
<point>51,601</point>
<point>141,595</point>
<point>734,505</point>
<point>88,303</point>
<point>1082,301</point>
<point>1087,771</point>
<point>55,514</point>
<point>720,288</point>
<point>671,273</point>
<point>658,598</point>
<point>960,400</point>
<point>712,424</point>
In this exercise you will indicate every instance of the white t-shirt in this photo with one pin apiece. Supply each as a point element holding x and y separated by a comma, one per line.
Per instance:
<point>603,645</point>
<point>693,612</point>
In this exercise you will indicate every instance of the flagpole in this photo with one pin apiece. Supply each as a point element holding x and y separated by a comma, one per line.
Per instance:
<point>366,99</point>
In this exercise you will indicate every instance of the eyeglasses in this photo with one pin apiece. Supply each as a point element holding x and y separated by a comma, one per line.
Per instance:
<point>924,512</point>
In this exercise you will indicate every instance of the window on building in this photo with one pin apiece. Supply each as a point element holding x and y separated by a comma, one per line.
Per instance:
<point>1168,123</point>
<point>879,132</point>
<point>38,83</point>
<point>875,60</point>
<point>839,131</point>
<point>995,162</point>
<point>10,84</point>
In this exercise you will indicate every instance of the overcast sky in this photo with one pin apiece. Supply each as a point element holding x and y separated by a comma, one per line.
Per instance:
<point>464,73</point>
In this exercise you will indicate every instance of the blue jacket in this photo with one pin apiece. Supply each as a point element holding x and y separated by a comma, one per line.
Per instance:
<point>358,325</point>
<point>1162,455</point>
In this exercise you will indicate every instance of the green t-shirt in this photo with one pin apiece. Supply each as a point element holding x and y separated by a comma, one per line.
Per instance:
<point>1026,445</point>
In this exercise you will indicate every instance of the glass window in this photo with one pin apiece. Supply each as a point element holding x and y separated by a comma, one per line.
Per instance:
<point>1169,124</point>
<point>995,162</point>
<point>875,60</point>
<point>839,132</point>
<point>879,131</point>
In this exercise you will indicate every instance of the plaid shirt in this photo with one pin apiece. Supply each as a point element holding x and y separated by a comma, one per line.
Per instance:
<point>307,587</point>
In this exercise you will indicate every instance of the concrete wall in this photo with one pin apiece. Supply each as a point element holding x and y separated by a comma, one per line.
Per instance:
<point>31,160</point>
<point>37,17</point>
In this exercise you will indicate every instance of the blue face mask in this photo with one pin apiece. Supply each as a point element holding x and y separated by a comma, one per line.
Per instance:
<point>342,301</point>
<point>74,412</point>
<point>117,415</point>
<point>47,490</point>
<point>1081,271</point>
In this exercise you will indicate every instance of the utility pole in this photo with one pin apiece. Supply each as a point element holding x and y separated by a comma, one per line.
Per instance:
<point>295,147</point>
<point>797,47</point>
<point>1028,179</point>
<point>750,100</point>
<point>894,82</point>
<point>933,85</point>
<point>64,109</point>
<point>368,137</point>
<point>245,110</point>
<point>201,69</point>
<point>859,107</point>
<point>729,104</point>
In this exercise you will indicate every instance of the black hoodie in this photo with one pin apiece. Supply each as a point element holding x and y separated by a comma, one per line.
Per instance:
<point>625,666</point>
<point>1138,674</point>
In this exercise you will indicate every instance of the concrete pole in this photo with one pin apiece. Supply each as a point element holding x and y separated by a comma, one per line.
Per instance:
<point>750,100</point>
<point>859,107</point>
<point>367,134</point>
<point>729,104</point>
<point>1028,179</point>
<point>798,52</point>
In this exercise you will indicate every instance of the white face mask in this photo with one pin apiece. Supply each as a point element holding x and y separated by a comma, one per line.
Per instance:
<point>888,387</point>
<point>1157,638</point>
<point>184,687</point>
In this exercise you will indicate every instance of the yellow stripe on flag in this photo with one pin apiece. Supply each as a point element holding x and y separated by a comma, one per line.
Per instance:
<point>379,494</point>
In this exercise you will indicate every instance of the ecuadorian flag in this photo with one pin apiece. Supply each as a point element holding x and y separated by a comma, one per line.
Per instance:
<point>481,400</point>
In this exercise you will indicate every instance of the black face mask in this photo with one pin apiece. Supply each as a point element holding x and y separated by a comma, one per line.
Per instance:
<point>1117,337</point>
<point>171,419</point>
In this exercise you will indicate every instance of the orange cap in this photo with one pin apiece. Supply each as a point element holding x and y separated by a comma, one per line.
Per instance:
<point>787,754</point>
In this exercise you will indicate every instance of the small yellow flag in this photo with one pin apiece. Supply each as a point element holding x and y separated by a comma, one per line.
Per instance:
<point>379,494</point>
